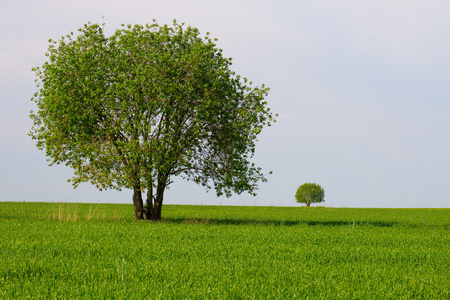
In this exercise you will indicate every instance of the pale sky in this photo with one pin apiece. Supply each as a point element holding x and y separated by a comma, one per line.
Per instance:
<point>362,89</point>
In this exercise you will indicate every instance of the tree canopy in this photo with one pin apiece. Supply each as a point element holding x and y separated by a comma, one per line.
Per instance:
<point>145,104</point>
<point>310,193</point>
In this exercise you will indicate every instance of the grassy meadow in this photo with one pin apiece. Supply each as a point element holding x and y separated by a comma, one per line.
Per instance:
<point>81,251</point>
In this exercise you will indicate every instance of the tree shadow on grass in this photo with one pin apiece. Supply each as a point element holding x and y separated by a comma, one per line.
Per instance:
<point>277,222</point>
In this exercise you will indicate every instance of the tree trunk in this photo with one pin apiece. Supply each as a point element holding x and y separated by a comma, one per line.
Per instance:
<point>159,200</point>
<point>149,208</point>
<point>138,203</point>
<point>153,209</point>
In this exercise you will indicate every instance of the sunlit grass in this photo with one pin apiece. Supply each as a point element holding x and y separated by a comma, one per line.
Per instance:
<point>69,250</point>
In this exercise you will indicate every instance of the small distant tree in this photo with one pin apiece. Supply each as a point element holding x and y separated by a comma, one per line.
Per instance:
<point>310,193</point>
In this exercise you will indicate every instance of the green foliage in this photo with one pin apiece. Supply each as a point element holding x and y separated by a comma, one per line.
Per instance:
<point>206,252</point>
<point>310,193</point>
<point>148,103</point>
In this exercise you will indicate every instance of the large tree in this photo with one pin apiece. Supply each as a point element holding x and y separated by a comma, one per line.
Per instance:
<point>145,104</point>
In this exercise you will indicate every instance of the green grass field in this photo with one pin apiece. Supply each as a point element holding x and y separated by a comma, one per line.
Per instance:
<point>66,250</point>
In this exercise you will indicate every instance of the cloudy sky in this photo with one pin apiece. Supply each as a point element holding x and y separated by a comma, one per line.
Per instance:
<point>362,89</point>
